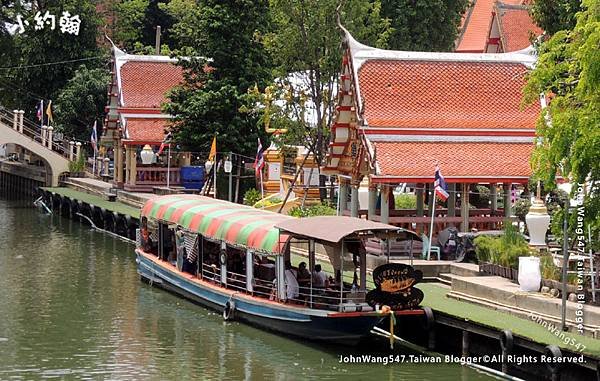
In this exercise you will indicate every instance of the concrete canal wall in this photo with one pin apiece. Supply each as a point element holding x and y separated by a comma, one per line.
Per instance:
<point>20,179</point>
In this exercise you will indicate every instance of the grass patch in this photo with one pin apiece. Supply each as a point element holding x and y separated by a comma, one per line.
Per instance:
<point>98,201</point>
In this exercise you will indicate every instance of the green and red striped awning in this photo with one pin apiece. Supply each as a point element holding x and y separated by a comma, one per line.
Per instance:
<point>236,224</point>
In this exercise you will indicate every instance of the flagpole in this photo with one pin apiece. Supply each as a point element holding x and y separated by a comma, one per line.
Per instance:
<point>216,166</point>
<point>262,189</point>
<point>42,113</point>
<point>168,165</point>
<point>432,216</point>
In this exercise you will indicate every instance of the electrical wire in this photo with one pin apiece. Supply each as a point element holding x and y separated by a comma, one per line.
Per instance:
<point>53,63</point>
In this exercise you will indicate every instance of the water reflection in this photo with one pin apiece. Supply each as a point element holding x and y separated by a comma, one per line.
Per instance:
<point>72,306</point>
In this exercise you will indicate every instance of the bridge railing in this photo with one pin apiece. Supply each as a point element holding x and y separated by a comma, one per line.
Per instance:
<point>32,131</point>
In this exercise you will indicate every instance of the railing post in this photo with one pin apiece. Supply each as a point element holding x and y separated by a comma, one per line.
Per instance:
<point>71,150</point>
<point>99,161</point>
<point>21,112</point>
<point>106,163</point>
<point>78,150</point>
<point>50,132</point>
<point>44,133</point>
<point>16,120</point>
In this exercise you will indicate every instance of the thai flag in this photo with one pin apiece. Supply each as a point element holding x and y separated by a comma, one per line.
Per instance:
<point>165,142</point>
<point>259,161</point>
<point>39,112</point>
<point>440,184</point>
<point>94,138</point>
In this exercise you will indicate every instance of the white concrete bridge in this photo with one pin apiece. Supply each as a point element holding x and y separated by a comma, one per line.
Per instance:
<point>14,130</point>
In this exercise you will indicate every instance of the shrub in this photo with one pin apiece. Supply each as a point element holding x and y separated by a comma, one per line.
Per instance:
<point>405,201</point>
<point>267,202</point>
<point>549,270</point>
<point>485,246</point>
<point>481,197</point>
<point>77,165</point>
<point>311,211</point>
<point>251,197</point>
<point>522,208</point>
<point>504,250</point>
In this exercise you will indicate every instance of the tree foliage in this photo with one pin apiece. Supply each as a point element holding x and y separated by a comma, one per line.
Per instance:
<point>555,15</point>
<point>81,102</point>
<point>136,22</point>
<point>423,25</point>
<point>46,59</point>
<point>306,41</point>
<point>568,72</point>
<point>214,96</point>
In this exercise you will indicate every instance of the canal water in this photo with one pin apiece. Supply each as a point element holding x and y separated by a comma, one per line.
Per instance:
<point>72,307</point>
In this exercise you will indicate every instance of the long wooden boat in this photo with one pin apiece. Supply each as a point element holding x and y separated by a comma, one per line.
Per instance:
<point>236,259</point>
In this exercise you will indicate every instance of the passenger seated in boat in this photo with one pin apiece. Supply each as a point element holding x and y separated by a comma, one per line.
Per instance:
<point>180,247</point>
<point>303,275</point>
<point>291,283</point>
<point>320,278</point>
<point>145,236</point>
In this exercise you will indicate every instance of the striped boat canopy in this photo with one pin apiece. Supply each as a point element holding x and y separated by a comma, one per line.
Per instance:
<point>235,224</point>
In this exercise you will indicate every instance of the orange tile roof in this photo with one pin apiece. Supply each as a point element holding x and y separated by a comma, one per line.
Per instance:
<point>516,28</point>
<point>144,84</point>
<point>458,160</point>
<point>444,94</point>
<point>146,130</point>
<point>476,25</point>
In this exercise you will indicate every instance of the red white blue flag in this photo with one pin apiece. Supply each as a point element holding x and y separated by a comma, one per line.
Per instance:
<point>94,138</point>
<point>40,112</point>
<point>441,189</point>
<point>166,141</point>
<point>259,161</point>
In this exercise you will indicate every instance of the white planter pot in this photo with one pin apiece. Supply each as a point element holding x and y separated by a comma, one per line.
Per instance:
<point>530,275</point>
<point>537,225</point>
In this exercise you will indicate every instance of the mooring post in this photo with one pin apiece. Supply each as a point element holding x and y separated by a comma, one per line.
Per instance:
<point>465,343</point>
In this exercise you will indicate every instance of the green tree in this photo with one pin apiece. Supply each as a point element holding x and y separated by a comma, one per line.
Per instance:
<point>568,70</point>
<point>306,40</point>
<point>81,102</point>
<point>555,15</point>
<point>129,23</point>
<point>46,59</point>
<point>136,22</point>
<point>214,96</point>
<point>424,25</point>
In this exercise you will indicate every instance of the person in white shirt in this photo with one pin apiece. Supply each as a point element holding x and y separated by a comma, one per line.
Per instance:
<point>291,283</point>
<point>319,278</point>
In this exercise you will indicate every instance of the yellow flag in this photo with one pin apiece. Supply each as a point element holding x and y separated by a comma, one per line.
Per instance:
<point>213,150</point>
<point>49,112</point>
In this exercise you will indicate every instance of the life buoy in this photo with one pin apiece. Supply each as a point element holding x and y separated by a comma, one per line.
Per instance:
<point>229,310</point>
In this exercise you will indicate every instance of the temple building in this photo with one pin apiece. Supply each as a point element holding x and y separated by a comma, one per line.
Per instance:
<point>491,26</point>
<point>400,113</point>
<point>134,120</point>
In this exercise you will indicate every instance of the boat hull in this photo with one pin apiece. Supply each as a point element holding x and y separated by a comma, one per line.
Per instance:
<point>304,323</point>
